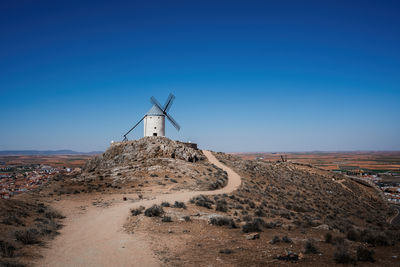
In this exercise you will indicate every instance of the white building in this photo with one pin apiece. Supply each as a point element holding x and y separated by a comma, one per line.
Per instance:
<point>154,122</point>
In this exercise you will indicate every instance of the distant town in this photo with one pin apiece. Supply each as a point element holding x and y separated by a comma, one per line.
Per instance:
<point>21,178</point>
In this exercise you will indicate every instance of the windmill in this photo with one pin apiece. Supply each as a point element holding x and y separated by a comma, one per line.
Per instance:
<point>154,119</point>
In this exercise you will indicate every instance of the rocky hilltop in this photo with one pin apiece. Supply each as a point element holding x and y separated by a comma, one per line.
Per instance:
<point>153,161</point>
<point>131,152</point>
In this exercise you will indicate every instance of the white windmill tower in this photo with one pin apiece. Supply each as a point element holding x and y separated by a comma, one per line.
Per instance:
<point>154,119</point>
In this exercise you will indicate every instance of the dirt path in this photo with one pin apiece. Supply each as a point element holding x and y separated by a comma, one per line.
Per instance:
<point>97,238</point>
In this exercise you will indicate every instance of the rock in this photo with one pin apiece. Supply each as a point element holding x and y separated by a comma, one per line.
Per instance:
<point>322,227</point>
<point>253,236</point>
<point>123,153</point>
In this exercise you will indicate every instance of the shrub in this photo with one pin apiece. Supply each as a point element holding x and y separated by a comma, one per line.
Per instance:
<point>310,248</point>
<point>253,226</point>
<point>364,254</point>
<point>222,206</point>
<point>154,211</point>
<point>377,239</point>
<point>12,220</point>
<point>342,255</point>
<point>179,205</point>
<point>165,204</point>
<point>275,240</point>
<point>138,211</point>
<point>53,214</point>
<point>328,238</point>
<point>48,227</point>
<point>337,240</point>
<point>259,212</point>
<point>353,235</point>
<point>222,221</point>
<point>9,263</point>
<point>286,239</point>
<point>202,201</point>
<point>187,218</point>
<point>29,236</point>
<point>6,249</point>
<point>166,219</point>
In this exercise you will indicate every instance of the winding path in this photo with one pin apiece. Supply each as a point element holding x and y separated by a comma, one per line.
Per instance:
<point>97,238</point>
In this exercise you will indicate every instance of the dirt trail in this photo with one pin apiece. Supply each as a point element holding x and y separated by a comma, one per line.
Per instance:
<point>97,237</point>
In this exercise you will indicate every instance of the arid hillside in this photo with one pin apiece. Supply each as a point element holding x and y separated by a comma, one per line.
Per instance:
<point>282,213</point>
<point>178,207</point>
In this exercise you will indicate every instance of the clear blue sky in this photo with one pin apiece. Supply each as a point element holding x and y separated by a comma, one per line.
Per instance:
<point>248,75</point>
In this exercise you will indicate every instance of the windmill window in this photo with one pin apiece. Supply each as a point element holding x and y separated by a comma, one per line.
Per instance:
<point>155,127</point>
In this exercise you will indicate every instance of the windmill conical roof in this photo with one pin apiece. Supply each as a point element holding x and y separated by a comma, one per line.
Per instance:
<point>155,111</point>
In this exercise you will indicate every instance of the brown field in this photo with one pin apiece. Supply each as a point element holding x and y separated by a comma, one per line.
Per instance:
<point>68,161</point>
<point>368,160</point>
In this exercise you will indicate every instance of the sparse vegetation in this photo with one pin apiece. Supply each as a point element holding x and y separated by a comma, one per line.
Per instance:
<point>165,204</point>
<point>310,247</point>
<point>364,254</point>
<point>286,239</point>
<point>53,214</point>
<point>154,211</point>
<point>137,211</point>
<point>342,254</point>
<point>328,238</point>
<point>222,221</point>
<point>27,236</point>
<point>222,206</point>
<point>275,240</point>
<point>179,205</point>
<point>6,249</point>
<point>253,226</point>
<point>202,201</point>
<point>166,219</point>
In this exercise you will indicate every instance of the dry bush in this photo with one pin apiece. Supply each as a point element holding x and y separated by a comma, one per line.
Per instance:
<point>222,221</point>
<point>53,214</point>
<point>12,219</point>
<point>138,211</point>
<point>166,219</point>
<point>275,240</point>
<point>286,239</point>
<point>179,205</point>
<point>342,255</point>
<point>6,249</point>
<point>250,227</point>
<point>328,238</point>
<point>27,236</point>
<point>202,201</point>
<point>364,254</point>
<point>310,247</point>
<point>222,206</point>
<point>154,211</point>
<point>165,204</point>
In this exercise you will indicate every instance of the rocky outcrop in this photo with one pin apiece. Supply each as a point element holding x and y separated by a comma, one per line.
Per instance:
<point>126,153</point>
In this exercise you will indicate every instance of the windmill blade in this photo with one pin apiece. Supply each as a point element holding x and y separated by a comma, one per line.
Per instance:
<point>168,103</point>
<point>174,123</point>
<point>125,138</point>
<point>154,101</point>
